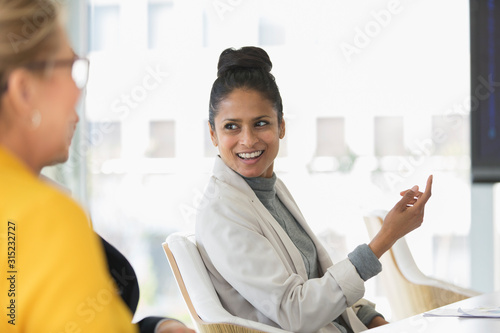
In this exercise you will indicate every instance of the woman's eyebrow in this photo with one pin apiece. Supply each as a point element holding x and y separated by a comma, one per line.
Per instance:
<point>239,120</point>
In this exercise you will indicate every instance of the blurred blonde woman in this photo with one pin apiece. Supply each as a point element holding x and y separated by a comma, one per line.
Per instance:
<point>54,272</point>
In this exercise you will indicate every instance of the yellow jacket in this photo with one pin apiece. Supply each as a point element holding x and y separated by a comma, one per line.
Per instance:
<point>53,275</point>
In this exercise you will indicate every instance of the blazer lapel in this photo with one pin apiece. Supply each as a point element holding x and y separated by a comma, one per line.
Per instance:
<point>225,174</point>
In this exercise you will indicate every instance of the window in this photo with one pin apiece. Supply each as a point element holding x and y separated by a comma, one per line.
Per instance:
<point>389,136</point>
<point>271,33</point>
<point>161,25</point>
<point>161,139</point>
<point>104,142</point>
<point>330,137</point>
<point>104,27</point>
<point>451,135</point>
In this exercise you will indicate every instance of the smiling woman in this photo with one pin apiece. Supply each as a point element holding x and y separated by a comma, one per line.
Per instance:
<point>265,262</point>
<point>246,112</point>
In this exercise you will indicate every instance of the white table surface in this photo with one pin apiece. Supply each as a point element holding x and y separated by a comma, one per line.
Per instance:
<point>421,324</point>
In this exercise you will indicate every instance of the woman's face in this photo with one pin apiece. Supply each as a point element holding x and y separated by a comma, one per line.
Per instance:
<point>247,133</point>
<point>56,101</point>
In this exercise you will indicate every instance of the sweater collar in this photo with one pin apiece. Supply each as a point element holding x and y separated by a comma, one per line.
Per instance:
<point>263,187</point>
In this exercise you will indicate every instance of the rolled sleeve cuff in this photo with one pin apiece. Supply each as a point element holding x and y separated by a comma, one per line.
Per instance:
<point>349,281</point>
<point>366,262</point>
<point>366,314</point>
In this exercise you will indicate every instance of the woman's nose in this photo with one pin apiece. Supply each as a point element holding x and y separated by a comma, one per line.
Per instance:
<point>248,138</point>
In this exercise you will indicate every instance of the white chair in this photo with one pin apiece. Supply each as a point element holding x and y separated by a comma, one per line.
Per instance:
<point>408,290</point>
<point>199,293</point>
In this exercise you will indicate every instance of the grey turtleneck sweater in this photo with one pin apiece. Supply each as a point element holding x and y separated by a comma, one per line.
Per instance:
<point>266,192</point>
<point>362,257</point>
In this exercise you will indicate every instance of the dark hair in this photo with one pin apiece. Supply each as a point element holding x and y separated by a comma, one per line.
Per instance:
<point>247,68</point>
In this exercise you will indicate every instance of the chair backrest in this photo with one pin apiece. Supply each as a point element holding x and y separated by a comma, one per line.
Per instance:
<point>198,291</point>
<point>408,290</point>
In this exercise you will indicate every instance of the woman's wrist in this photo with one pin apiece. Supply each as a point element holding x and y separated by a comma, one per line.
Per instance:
<point>379,245</point>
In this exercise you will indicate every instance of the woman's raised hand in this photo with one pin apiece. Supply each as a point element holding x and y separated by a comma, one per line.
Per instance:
<point>404,217</point>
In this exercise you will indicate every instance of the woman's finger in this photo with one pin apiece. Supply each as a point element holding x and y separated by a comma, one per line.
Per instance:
<point>414,189</point>
<point>427,193</point>
<point>411,202</point>
<point>408,197</point>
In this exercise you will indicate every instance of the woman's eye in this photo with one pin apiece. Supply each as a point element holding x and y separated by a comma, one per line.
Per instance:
<point>230,126</point>
<point>261,123</point>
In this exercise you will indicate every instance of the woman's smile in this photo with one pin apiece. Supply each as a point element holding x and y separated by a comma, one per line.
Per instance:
<point>250,156</point>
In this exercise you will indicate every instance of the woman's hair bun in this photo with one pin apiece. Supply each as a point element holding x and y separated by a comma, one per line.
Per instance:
<point>245,58</point>
<point>245,68</point>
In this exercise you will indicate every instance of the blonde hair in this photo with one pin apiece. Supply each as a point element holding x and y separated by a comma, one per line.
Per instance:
<point>29,31</point>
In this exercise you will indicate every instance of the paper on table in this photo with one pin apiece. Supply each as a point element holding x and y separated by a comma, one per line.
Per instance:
<point>485,312</point>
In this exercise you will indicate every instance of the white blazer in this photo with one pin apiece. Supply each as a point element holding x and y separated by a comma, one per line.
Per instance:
<point>256,269</point>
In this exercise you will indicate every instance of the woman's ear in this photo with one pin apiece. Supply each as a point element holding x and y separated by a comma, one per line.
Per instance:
<point>20,92</point>
<point>282,129</point>
<point>213,135</point>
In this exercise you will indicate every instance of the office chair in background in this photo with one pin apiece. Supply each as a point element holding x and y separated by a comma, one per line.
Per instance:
<point>408,290</point>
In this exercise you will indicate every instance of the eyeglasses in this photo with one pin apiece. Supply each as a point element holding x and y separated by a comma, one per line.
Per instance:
<point>79,68</point>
